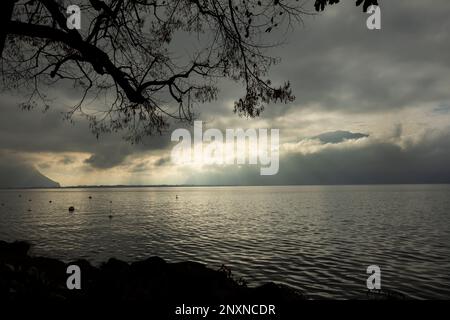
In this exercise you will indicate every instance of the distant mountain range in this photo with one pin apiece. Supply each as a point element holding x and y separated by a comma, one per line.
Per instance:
<point>21,175</point>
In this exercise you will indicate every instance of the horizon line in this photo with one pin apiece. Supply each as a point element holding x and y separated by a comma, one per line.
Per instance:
<point>219,185</point>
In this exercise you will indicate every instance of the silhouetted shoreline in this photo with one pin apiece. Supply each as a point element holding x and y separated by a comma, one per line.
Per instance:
<point>153,281</point>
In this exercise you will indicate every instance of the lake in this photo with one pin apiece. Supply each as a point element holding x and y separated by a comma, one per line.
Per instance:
<point>318,239</point>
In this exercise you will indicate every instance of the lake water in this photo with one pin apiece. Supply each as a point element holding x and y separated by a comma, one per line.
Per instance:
<point>317,239</point>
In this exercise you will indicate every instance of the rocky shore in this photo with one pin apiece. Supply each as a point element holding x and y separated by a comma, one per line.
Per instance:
<point>159,284</point>
<point>153,280</point>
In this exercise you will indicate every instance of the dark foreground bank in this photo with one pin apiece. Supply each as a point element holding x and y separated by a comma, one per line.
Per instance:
<point>164,286</point>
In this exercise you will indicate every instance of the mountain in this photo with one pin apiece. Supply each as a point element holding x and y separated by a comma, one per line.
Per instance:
<point>21,175</point>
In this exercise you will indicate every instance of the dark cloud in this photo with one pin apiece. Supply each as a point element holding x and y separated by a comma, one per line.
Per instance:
<point>334,64</point>
<point>339,136</point>
<point>162,161</point>
<point>379,163</point>
<point>66,160</point>
<point>442,109</point>
<point>140,167</point>
<point>44,165</point>
<point>37,131</point>
<point>105,161</point>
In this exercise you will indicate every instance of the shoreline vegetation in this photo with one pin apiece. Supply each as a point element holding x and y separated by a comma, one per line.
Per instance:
<point>152,280</point>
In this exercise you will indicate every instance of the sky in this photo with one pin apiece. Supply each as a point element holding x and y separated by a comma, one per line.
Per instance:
<point>371,107</point>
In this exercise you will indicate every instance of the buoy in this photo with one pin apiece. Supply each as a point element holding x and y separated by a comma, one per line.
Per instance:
<point>71,209</point>
<point>29,200</point>
<point>50,201</point>
<point>29,210</point>
<point>110,216</point>
<point>90,197</point>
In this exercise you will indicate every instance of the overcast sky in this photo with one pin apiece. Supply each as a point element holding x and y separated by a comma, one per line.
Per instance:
<point>385,94</point>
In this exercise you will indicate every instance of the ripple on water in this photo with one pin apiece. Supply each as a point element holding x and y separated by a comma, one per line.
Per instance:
<point>317,239</point>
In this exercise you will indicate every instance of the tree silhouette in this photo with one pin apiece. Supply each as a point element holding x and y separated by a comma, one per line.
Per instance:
<point>122,55</point>
<point>321,4</point>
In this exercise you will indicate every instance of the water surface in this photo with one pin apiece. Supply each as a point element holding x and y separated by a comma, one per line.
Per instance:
<point>317,239</point>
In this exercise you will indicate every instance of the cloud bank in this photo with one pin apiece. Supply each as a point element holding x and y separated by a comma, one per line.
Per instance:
<point>371,107</point>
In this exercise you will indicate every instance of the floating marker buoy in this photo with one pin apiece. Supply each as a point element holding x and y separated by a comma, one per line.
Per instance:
<point>110,216</point>
<point>90,197</point>
<point>50,201</point>
<point>71,209</point>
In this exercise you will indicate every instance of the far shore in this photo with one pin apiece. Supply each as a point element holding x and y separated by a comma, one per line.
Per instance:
<point>219,185</point>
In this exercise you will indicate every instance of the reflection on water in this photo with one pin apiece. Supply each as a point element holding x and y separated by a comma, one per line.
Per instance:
<point>317,239</point>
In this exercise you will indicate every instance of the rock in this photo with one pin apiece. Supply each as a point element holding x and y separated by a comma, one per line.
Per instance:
<point>276,292</point>
<point>49,271</point>
<point>115,265</point>
<point>89,277</point>
<point>15,251</point>
<point>149,265</point>
<point>152,280</point>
